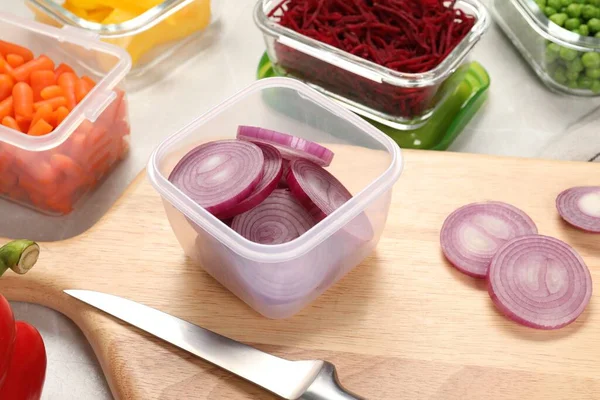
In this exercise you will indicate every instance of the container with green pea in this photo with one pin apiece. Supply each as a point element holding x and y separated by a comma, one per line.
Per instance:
<point>560,39</point>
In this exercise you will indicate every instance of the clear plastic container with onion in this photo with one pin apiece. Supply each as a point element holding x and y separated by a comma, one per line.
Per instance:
<point>276,208</point>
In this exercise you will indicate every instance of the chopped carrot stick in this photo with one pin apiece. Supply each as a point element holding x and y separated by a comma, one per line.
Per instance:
<point>60,114</point>
<point>34,186</point>
<point>44,112</point>
<point>89,80</point>
<point>77,150</point>
<point>6,160</point>
<point>42,172</point>
<point>23,100</point>
<point>11,48</point>
<point>50,92</point>
<point>15,60</point>
<point>82,88</point>
<point>40,128</point>
<point>40,80</point>
<point>67,82</point>
<point>41,63</point>
<point>67,166</point>
<point>61,69</point>
<point>55,103</point>
<point>6,86</point>
<point>5,67</point>
<point>11,123</point>
<point>24,123</point>
<point>6,107</point>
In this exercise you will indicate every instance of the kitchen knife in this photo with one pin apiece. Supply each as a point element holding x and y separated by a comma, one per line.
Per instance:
<point>293,380</point>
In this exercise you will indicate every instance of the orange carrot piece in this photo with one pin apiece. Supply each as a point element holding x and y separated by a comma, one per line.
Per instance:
<point>43,172</point>
<point>6,107</point>
<point>23,100</point>
<point>11,123</point>
<point>50,92</point>
<point>44,112</point>
<point>6,86</point>
<point>67,166</point>
<point>40,128</point>
<point>89,81</point>
<point>61,69</point>
<point>34,186</point>
<point>67,82</point>
<point>55,103</point>
<point>60,114</point>
<point>5,67</point>
<point>11,48</point>
<point>15,60</point>
<point>77,150</point>
<point>39,81</point>
<point>42,63</point>
<point>8,181</point>
<point>6,159</point>
<point>24,123</point>
<point>82,88</point>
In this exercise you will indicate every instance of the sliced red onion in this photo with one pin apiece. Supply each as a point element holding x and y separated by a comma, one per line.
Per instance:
<point>280,218</point>
<point>291,147</point>
<point>272,171</point>
<point>321,193</point>
<point>580,207</point>
<point>219,175</point>
<point>539,281</point>
<point>283,181</point>
<point>472,234</point>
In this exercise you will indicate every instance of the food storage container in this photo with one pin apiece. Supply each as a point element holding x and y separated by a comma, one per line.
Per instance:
<point>565,61</point>
<point>52,173</point>
<point>150,37</point>
<point>279,280</point>
<point>406,99</point>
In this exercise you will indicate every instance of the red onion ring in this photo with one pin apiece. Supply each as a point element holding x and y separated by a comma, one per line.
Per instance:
<point>539,281</point>
<point>580,207</point>
<point>219,175</point>
<point>280,218</point>
<point>290,147</point>
<point>272,172</point>
<point>472,234</point>
<point>283,181</point>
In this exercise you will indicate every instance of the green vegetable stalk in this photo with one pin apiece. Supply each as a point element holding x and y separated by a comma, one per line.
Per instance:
<point>18,255</point>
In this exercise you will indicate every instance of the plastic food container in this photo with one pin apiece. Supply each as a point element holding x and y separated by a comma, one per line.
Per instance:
<point>95,135</point>
<point>556,55</point>
<point>279,280</point>
<point>403,98</point>
<point>150,38</point>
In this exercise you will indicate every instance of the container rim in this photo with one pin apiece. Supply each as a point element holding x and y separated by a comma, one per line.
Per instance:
<point>370,69</point>
<point>91,106</point>
<point>141,23</point>
<point>550,31</point>
<point>317,234</point>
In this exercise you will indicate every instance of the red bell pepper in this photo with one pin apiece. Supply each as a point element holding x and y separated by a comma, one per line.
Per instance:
<point>22,351</point>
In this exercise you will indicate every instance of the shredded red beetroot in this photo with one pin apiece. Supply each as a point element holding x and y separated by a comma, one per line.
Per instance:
<point>410,36</point>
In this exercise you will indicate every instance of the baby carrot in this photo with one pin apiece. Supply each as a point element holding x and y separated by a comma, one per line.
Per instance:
<point>54,102</point>
<point>61,69</point>
<point>6,86</point>
<point>82,88</point>
<point>67,82</point>
<point>67,166</point>
<point>40,80</point>
<point>89,80</point>
<point>60,114</point>
<point>41,63</point>
<point>5,67</point>
<point>43,172</point>
<point>23,100</point>
<point>8,181</point>
<point>6,107</point>
<point>24,123</point>
<point>15,60</point>
<point>11,48</point>
<point>11,123</point>
<point>40,128</point>
<point>50,92</point>
<point>44,112</point>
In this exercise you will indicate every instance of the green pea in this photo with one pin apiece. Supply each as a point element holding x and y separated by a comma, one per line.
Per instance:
<point>584,82</point>
<point>594,2</point>
<point>541,3</point>
<point>554,4</point>
<point>591,60</point>
<point>572,83</point>
<point>592,73</point>
<point>575,65</point>
<point>574,10</point>
<point>594,25</point>
<point>559,19</point>
<point>560,75</point>
<point>572,23</point>
<point>588,12</point>
<point>580,1</point>
<point>563,10</point>
<point>572,75</point>
<point>568,54</point>
<point>596,86</point>
<point>566,3</point>
<point>584,30</point>
<point>549,11</point>
<point>597,34</point>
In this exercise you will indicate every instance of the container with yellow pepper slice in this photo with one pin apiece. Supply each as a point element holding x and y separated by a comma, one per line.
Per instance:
<point>22,351</point>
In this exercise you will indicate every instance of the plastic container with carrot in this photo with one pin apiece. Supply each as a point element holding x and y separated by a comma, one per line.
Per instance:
<point>63,126</point>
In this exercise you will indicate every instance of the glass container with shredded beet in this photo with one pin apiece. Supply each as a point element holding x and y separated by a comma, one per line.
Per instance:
<point>386,58</point>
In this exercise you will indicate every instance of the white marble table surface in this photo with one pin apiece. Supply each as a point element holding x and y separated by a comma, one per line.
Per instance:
<point>521,118</point>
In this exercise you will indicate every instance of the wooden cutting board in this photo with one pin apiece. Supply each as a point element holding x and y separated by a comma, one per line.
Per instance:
<point>403,325</point>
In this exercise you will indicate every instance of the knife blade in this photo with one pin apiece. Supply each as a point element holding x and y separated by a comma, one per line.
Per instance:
<point>293,380</point>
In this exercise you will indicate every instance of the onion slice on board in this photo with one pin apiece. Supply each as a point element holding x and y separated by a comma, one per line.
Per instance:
<point>291,147</point>
<point>280,218</point>
<point>580,207</point>
<point>539,281</point>
<point>472,234</point>
<point>272,171</point>
<point>219,175</point>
